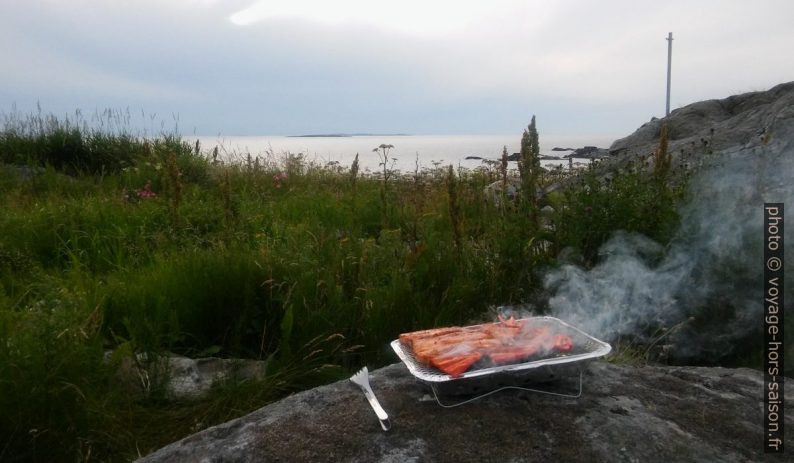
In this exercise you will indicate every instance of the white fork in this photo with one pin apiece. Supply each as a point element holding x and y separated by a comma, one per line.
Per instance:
<point>362,379</point>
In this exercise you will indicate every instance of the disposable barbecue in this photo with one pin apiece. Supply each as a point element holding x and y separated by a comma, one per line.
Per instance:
<point>538,346</point>
<point>454,350</point>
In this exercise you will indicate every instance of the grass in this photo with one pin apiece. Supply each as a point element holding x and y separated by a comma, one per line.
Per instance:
<point>113,245</point>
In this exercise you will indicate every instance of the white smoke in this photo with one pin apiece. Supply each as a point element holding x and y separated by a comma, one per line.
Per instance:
<point>712,268</point>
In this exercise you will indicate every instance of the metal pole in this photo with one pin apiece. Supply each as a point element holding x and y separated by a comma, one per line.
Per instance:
<point>669,64</point>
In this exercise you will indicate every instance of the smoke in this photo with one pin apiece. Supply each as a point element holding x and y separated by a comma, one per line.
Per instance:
<point>706,285</point>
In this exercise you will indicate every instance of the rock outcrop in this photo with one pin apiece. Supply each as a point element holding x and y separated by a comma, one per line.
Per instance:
<point>625,413</point>
<point>589,152</point>
<point>744,121</point>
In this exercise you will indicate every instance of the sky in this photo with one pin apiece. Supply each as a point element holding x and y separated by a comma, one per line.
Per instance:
<point>257,67</point>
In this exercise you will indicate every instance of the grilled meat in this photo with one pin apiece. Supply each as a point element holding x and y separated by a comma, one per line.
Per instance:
<point>454,350</point>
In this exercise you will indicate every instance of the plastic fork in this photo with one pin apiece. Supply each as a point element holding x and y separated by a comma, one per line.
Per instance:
<point>362,379</point>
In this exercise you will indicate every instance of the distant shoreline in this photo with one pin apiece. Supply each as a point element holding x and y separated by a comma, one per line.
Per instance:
<point>347,135</point>
<point>427,149</point>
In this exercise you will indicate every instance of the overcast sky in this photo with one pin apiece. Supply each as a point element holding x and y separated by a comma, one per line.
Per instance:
<point>236,67</point>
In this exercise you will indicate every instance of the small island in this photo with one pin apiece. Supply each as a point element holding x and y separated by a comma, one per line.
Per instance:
<point>348,135</point>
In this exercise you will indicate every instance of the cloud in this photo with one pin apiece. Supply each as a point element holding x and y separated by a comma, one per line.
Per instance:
<point>223,64</point>
<point>408,16</point>
<point>36,69</point>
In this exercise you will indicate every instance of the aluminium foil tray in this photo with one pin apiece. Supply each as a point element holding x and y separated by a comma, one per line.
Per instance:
<point>585,348</point>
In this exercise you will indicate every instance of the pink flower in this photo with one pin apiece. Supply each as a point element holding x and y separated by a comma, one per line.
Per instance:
<point>278,178</point>
<point>146,192</point>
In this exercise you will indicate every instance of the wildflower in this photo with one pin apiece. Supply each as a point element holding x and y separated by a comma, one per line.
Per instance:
<point>278,178</point>
<point>146,192</point>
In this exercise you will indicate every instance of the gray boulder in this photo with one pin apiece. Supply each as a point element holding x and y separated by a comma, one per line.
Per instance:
<point>182,377</point>
<point>625,413</point>
<point>22,172</point>
<point>192,378</point>
<point>748,120</point>
<point>494,192</point>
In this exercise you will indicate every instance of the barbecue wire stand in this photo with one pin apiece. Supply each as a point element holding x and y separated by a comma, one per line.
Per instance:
<point>505,388</point>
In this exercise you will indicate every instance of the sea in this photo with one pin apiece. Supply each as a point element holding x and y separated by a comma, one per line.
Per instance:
<point>408,153</point>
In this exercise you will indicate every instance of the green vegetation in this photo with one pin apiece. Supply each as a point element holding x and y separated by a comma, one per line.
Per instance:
<point>530,171</point>
<point>113,245</point>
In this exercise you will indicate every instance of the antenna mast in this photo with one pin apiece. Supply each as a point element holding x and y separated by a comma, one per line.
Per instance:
<point>669,63</point>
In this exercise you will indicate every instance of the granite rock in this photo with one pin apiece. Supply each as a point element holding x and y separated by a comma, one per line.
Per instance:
<point>625,413</point>
<point>746,121</point>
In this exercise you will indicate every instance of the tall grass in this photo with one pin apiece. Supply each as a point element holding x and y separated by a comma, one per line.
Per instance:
<point>114,245</point>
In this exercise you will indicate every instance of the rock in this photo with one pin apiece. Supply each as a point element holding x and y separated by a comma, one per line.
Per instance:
<point>589,152</point>
<point>493,192</point>
<point>740,121</point>
<point>625,413</point>
<point>586,150</point>
<point>23,172</point>
<point>517,157</point>
<point>185,378</point>
<point>553,188</point>
<point>192,378</point>
<point>28,173</point>
<point>546,216</point>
